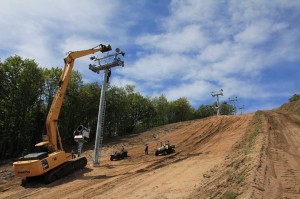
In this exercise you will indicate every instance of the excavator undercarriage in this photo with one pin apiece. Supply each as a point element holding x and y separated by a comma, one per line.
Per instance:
<point>58,172</point>
<point>65,169</point>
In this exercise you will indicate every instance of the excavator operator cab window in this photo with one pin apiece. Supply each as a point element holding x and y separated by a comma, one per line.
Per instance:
<point>42,149</point>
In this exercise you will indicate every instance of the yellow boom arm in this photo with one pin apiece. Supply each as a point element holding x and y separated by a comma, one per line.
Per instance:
<point>51,122</point>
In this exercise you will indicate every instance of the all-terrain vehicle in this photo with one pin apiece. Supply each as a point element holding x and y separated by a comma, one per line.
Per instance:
<point>164,148</point>
<point>118,155</point>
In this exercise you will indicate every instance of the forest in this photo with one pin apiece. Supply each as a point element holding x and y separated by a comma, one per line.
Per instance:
<point>27,90</point>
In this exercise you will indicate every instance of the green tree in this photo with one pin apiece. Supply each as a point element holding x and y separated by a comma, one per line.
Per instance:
<point>89,96</point>
<point>24,83</point>
<point>180,110</point>
<point>3,83</point>
<point>71,114</point>
<point>50,84</point>
<point>149,113</point>
<point>226,109</point>
<point>161,106</point>
<point>116,111</point>
<point>204,111</point>
<point>136,113</point>
<point>3,101</point>
<point>294,97</point>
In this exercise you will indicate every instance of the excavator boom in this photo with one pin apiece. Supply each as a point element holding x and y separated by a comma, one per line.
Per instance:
<point>51,122</point>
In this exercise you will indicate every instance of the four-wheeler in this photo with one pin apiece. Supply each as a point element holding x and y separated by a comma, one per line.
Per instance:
<point>54,162</point>
<point>164,148</point>
<point>118,155</point>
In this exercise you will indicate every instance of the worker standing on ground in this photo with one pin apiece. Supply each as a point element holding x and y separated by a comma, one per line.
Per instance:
<point>73,154</point>
<point>146,149</point>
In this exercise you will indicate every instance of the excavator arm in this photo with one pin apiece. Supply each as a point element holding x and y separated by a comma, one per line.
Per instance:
<point>51,121</point>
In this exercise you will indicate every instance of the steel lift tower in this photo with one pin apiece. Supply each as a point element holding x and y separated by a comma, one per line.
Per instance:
<point>241,108</point>
<point>232,101</point>
<point>214,94</point>
<point>106,67</point>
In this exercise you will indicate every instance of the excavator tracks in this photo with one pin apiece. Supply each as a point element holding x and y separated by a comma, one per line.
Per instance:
<point>65,169</point>
<point>56,173</point>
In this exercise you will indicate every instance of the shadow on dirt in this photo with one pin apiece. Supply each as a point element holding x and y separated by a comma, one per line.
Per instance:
<point>37,182</point>
<point>174,158</point>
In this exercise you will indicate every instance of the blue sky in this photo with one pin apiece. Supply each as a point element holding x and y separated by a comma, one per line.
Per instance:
<point>178,48</point>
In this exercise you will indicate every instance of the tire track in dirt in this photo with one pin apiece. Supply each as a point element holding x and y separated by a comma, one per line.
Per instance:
<point>200,145</point>
<point>282,162</point>
<point>209,130</point>
<point>202,133</point>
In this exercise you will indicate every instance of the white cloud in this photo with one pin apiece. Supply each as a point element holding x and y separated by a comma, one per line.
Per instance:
<point>215,52</point>
<point>243,88</point>
<point>77,43</point>
<point>197,47</point>
<point>259,32</point>
<point>159,67</point>
<point>191,12</point>
<point>195,91</point>
<point>44,29</point>
<point>121,82</point>
<point>223,48</point>
<point>255,33</point>
<point>189,39</point>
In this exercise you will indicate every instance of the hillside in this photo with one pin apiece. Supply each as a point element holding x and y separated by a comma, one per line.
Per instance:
<point>244,156</point>
<point>291,107</point>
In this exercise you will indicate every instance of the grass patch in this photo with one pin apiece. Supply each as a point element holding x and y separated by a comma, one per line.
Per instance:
<point>247,143</point>
<point>237,166</point>
<point>241,178</point>
<point>230,195</point>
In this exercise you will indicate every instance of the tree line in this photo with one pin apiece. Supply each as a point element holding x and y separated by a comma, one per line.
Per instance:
<point>295,97</point>
<point>27,91</point>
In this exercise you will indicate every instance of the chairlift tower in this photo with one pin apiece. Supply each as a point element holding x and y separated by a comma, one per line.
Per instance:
<point>106,67</point>
<point>214,94</point>
<point>241,108</point>
<point>233,100</point>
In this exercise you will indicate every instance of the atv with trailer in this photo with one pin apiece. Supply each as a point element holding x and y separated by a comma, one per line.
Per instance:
<point>164,148</point>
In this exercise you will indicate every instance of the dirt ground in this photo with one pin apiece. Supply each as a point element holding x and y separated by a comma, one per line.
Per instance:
<point>278,175</point>
<point>242,156</point>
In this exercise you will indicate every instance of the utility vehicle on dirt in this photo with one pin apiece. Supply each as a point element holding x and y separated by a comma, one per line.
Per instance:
<point>118,155</point>
<point>164,148</point>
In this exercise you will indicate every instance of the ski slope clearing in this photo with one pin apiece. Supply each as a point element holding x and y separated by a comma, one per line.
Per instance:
<point>243,156</point>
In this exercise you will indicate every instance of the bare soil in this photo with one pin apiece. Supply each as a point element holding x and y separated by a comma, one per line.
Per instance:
<point>242,156</point>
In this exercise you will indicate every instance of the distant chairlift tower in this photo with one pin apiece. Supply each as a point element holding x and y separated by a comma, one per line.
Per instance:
<point>101,114</point>
<point>241,108</point>
<point>232,101</point>
<point>214,94</point>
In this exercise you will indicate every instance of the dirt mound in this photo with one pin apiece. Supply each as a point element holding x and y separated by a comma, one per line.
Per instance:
<point>243,156</point>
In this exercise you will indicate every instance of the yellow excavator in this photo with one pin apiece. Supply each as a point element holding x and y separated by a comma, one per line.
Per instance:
<point>54,162</point>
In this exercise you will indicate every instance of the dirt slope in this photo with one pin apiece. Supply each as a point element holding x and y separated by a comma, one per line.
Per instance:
<point>291,107</point>
<point>243,156</point>
<point>278,174</point>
